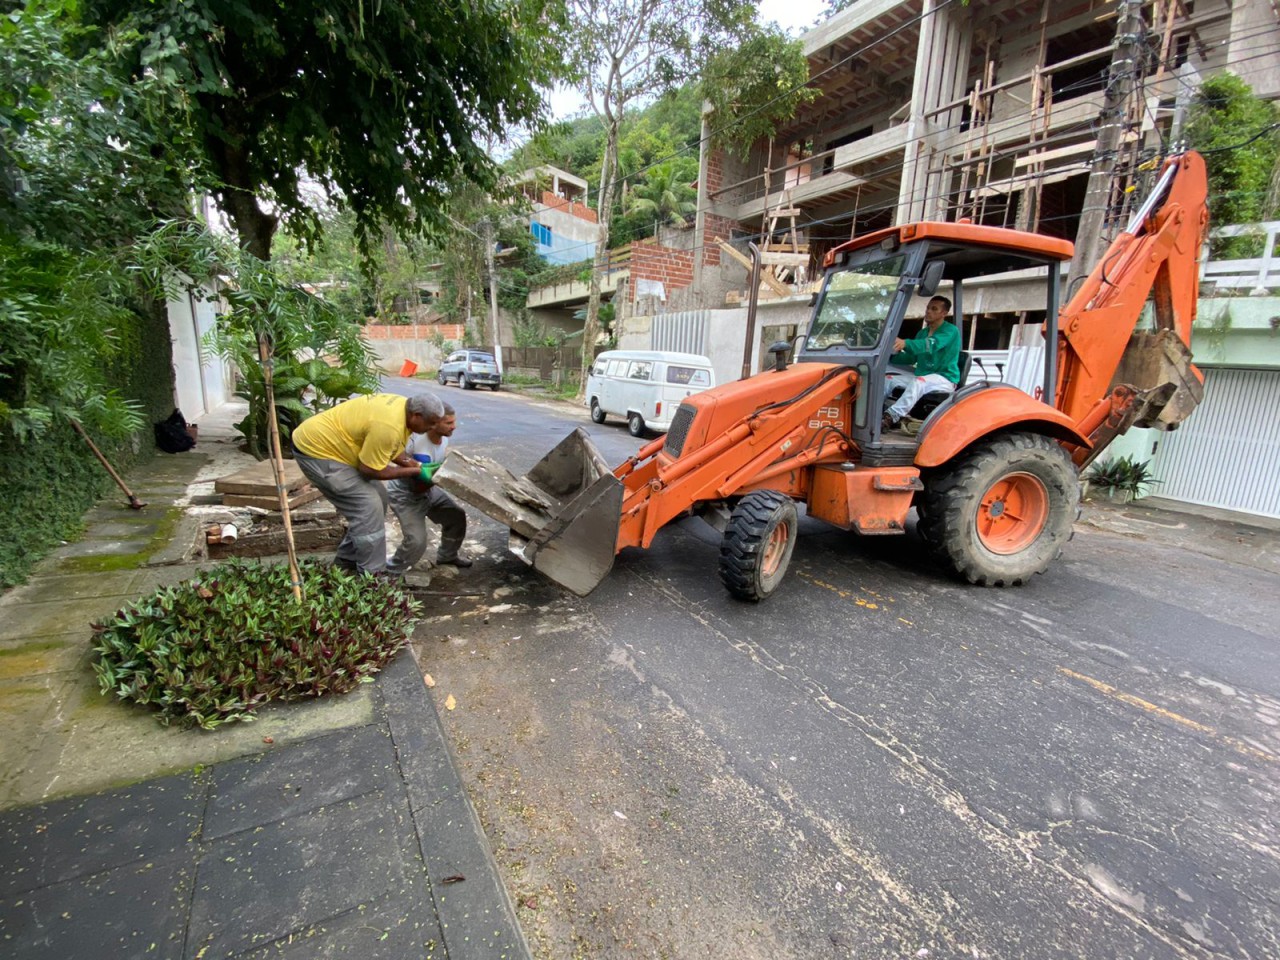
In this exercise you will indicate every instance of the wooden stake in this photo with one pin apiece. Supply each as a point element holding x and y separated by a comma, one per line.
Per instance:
<point>134,502</point>
<point>277,464</point>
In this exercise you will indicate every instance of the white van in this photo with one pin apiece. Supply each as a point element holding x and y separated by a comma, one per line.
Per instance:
<point>645,386</point>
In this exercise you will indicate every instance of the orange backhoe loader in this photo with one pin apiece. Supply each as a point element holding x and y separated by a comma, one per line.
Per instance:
<point>993,471</point>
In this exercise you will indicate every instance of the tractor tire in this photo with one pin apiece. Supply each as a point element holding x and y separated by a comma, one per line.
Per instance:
<point>464,383</point>
<point>1003,512</point>
<point>442,379</point>
<point>757,544</point>
<point>635,424</point>
<point>597,412</point>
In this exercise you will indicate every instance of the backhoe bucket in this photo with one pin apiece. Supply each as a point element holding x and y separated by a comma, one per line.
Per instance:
<point>563,514</point>
<point>1158,366</point>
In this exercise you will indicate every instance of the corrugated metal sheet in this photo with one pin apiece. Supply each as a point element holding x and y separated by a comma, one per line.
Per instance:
<point>684,332</point>
<point>1227,454</point>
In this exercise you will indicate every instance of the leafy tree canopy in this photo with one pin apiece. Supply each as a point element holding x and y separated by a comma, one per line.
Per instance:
<point>755,86</point>
<point>665,195</point>
<point>1224,115</point>
<point>379,104</point>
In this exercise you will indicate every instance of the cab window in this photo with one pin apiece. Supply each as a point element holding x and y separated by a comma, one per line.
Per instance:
<point>599,369</point>
<point>688,376</point>
<point>640,370</point>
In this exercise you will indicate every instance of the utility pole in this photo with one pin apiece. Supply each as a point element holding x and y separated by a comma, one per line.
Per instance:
<point>493,293</point>
<point>1121,75</point>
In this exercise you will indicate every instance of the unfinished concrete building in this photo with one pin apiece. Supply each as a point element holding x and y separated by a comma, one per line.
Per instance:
<point>930,109</point>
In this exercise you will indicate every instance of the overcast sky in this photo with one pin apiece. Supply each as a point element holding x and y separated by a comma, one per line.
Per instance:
<point>794,16</point>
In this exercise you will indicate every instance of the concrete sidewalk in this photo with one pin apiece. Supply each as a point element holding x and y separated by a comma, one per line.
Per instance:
<point>1241,538</point>
<point>333,827</point>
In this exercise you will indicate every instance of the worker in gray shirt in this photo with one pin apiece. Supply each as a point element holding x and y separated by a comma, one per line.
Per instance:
<point>417,500</point>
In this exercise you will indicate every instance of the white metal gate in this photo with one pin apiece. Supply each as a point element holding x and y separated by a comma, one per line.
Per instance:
<point>1227,453</point>
<point>684,332</point>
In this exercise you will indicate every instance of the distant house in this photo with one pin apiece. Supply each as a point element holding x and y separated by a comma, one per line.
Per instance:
<point>564,227</point>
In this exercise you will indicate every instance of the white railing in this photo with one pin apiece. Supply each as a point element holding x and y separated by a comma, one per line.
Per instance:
<point>1257,274</point>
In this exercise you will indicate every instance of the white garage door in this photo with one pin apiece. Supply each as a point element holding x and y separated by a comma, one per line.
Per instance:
<point>1227,454</point>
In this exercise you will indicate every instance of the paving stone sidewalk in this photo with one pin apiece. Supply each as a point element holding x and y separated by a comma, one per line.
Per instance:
<point>330,828</point>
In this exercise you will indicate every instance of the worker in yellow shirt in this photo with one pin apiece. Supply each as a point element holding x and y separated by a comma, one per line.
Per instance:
<point>348,450</point>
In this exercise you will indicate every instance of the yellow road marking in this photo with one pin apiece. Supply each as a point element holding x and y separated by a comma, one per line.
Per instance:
<point>1149,707</point>
<point>839,591</point>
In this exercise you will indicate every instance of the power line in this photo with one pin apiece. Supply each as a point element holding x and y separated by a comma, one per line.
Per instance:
<point>884,174</point>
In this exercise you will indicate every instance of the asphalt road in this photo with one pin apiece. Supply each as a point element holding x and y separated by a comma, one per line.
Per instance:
<point>876,762</point>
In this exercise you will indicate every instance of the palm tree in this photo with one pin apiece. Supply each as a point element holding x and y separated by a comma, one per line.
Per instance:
<point>664,196</point>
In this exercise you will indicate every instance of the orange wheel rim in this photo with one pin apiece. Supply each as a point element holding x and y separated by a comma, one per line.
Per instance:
<point>1013,513</point>
<point>774,549</point>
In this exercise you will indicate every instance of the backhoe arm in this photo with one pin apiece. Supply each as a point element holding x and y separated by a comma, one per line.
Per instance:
<point>1109,376</point>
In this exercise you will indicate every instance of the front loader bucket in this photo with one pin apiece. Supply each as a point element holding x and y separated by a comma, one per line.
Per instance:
<point>563,514</point>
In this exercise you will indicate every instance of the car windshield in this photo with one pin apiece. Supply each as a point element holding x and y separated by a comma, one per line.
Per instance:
<point>855,306</point>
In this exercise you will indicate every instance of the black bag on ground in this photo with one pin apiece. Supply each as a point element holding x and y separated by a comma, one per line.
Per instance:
<point>172,435</point>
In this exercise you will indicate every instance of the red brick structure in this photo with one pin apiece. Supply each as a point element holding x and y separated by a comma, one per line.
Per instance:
<point>671,267</point>
<point>413,331</point>
<point>571,207</point>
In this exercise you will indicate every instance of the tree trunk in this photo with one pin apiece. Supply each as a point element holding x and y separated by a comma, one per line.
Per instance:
<point>592,329</point>
<point>254,226</point>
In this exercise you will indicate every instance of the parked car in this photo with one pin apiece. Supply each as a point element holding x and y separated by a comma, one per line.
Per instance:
<point>470,369</point>
<point>645,386</point>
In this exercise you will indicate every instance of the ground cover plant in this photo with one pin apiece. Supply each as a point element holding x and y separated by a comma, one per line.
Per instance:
<point>218,646</point>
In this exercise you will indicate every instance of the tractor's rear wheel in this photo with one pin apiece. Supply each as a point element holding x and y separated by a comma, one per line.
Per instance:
<point>757,544</point>
<point>1002,512</point>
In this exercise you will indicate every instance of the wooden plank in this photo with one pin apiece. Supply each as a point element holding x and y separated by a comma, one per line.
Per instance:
<point>774,283</point>
<point>732,252</point>
<point>259,480</point>
<point>306,495</point>
<point>309,537</point>
<point>1046,155</point>
<point>785,259</point>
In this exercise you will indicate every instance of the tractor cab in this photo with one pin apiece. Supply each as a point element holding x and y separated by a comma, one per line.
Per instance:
<point>874,283</point>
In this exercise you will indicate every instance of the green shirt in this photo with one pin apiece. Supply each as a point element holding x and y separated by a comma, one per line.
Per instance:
<point>937,352</point>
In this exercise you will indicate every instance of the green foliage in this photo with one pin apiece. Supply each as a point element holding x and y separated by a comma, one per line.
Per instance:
<point>47,482</point>
<point>319,354</point>
<point>1122,474</point>
<point>528,332</point>
<point>80,166</point>
<point>1225,114</point>
<point>60,313</point>
<point>218,646</point>
<point>665,195</point>
<point>383,104</point>
<point>550,274</point>
<point>755,86</point>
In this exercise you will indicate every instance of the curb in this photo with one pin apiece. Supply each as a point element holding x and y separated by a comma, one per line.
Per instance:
<point>476,914</point>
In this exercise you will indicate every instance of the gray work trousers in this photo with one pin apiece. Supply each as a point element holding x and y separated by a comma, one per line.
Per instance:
<point>362,500</point>
<point>413,508</point>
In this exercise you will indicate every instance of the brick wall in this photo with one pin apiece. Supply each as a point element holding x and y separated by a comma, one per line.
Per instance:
<point>571,207</point>
<point>653,261</point>
<point>413,331</point>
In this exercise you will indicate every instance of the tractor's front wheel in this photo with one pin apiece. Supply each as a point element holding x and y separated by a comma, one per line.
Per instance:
<point>757,544</point>
<point>1003,511</point>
